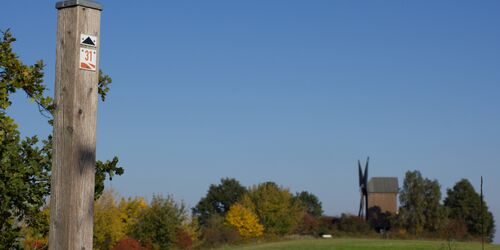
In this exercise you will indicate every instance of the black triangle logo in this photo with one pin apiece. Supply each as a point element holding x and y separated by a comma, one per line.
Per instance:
<point>88,41</point>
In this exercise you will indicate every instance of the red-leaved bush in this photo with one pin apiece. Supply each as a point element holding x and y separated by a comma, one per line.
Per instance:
<point>184,240</point>
<point>35,243</point>
<point>128,244</point>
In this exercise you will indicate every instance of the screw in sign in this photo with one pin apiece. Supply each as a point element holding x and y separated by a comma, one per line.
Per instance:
<point>88,59</point>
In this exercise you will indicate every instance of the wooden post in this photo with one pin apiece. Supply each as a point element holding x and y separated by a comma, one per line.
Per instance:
<point>74,141</point>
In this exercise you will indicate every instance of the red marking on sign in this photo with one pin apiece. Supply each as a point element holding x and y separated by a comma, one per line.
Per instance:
<point>85,66</point>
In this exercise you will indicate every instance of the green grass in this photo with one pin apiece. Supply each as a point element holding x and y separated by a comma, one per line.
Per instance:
<point>362,244</point>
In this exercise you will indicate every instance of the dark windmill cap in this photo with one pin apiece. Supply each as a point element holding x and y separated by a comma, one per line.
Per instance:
<point>83,3</point>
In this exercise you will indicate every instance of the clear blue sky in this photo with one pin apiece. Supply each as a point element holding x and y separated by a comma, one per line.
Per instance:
<point>289,91</point>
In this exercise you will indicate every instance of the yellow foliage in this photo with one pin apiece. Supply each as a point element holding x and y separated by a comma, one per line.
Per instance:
<point>131,209</point>
<point>113,219</point>
<point>244,221</point>
<point>109,225</point>
<point>192,227</point>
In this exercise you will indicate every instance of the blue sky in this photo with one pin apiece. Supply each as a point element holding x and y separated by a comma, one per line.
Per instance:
<point>289,91</point>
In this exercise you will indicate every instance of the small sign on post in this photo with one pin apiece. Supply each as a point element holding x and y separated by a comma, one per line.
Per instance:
<point>88,56</point>
<point>88,40</point>
<point>88,59</point>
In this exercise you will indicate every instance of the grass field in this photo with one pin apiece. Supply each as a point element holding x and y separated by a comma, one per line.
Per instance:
<point>361,244</point>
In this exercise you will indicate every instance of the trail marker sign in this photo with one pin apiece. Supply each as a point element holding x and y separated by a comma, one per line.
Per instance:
<point>88,59</point>
<point>88,40</point>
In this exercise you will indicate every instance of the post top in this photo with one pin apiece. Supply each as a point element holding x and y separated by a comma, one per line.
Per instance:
<point>84,3</point>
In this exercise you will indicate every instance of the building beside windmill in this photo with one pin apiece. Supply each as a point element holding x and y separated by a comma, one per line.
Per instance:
<point>383,193</point>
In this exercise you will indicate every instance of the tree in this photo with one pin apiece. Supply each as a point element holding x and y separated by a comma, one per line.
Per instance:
<point>157,225</point>
<point>24,183</point>
<point>105,170</point>
<point>244,221</point>
<point>131,209</point>
<point>114,220</point>
<point>25,167</point>
<point>309,202</point>
<point>274,206</point>
<point>421,209</point>
<point>109,221</point>
<point>464,204</point>
<point>412,199</point>
<point>312,211</point>
<point>26,163</point>
<point>435,213</point>
<point>219,199</point>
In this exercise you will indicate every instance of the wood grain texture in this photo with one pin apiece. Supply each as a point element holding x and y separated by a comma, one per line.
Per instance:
<point>74,141</point>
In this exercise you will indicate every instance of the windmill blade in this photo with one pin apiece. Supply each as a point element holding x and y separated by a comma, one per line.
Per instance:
<point>360,213</point>
<point>360,174</point>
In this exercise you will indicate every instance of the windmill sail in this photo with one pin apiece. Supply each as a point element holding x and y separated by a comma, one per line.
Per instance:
<point>363,189</point>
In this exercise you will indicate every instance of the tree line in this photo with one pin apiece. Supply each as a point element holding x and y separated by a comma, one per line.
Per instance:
<point>459,216</point>
<point>230,213</point>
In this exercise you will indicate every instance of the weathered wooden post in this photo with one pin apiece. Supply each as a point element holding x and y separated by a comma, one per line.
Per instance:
<point>74,141</point>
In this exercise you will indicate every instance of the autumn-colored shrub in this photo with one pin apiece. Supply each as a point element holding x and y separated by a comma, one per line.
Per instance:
<point>131,208</point>
<point>327,225</point>
<point>183,239</point>
<point>244,221</point>
<point>455,229</point>
<point>192,228</point>
<point>33,243</point>
<point>309,225</point>
<point>353,224</point>
<point>399,233</point>
<point>128,244</point>
<point>216,232</point>
<point>109,226</point>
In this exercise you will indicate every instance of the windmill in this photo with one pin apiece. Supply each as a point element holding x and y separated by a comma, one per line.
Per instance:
<point>363,188</point>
